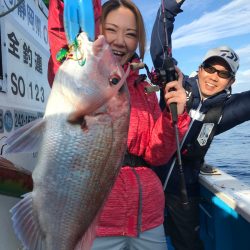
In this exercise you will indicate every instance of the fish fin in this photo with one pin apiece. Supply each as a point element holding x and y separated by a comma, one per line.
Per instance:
<point>25,224</point>
<point>86,242</point>
<point>26,138</point>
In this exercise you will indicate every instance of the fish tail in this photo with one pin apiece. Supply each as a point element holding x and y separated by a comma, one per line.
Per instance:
<point>25,224</point>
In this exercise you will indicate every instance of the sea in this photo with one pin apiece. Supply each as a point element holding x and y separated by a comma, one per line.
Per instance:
<point>230,151</point>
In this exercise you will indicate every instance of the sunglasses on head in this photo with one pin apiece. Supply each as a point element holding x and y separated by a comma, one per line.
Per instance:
<point>221,73</point>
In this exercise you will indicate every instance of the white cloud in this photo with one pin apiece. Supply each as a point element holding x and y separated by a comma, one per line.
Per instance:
<point>242,82</point>
<point>244,54</point>
<point>230,20</point>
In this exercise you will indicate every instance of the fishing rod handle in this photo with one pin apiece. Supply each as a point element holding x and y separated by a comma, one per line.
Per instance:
<point>170,77</point>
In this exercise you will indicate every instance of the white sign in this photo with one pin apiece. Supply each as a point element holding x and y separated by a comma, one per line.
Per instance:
<point>26,68</point>
<point>25,55</point>
<point>32,16</point>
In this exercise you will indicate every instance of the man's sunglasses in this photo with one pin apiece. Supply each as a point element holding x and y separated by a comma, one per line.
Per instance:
<point>221,73</point>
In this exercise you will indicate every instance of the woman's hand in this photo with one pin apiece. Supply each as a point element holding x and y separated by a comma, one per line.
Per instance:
<point>178,95</point>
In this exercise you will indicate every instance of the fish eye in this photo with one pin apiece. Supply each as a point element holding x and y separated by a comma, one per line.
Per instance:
<point>114,79</point>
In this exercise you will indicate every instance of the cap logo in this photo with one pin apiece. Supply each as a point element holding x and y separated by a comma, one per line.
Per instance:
<point>229,55</point>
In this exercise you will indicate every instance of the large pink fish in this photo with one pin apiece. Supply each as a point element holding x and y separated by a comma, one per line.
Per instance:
<point>81,142</point>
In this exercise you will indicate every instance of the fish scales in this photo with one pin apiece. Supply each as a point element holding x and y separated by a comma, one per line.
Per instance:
<point>70,181</point>
<point>78,161</point>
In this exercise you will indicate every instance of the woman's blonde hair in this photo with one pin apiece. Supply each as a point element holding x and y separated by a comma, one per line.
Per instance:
<point>115,4</point>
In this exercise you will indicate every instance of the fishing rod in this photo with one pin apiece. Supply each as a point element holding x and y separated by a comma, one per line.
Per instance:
<point>170,75</point>
<point>161,77</point>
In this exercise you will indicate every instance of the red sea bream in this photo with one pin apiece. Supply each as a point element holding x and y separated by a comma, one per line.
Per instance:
<point>80,141</point>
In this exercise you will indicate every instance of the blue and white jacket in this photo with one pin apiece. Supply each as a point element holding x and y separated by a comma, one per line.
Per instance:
<point>210,117</point>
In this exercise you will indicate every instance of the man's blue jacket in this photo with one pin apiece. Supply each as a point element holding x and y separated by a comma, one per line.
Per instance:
<point>210,117</point>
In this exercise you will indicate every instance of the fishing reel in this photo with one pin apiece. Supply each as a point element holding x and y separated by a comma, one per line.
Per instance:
<point>160,76</point>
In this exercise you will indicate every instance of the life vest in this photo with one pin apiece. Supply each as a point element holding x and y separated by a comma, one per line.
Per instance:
<point>199,140</point>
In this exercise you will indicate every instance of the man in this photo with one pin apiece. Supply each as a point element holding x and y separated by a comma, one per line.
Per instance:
<point>213,110</point>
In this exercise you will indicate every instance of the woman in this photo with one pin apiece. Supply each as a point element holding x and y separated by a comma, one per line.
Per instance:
<point>132,217</point>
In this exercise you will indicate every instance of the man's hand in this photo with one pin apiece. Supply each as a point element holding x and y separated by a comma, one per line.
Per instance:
<point>79,16</point>
<point>178,95</point>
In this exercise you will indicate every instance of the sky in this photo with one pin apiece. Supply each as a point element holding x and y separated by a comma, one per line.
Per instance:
<point>205,24</point>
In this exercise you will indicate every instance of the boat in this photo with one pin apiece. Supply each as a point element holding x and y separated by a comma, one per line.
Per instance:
<point>24,89</point>
<point>224,212</point>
